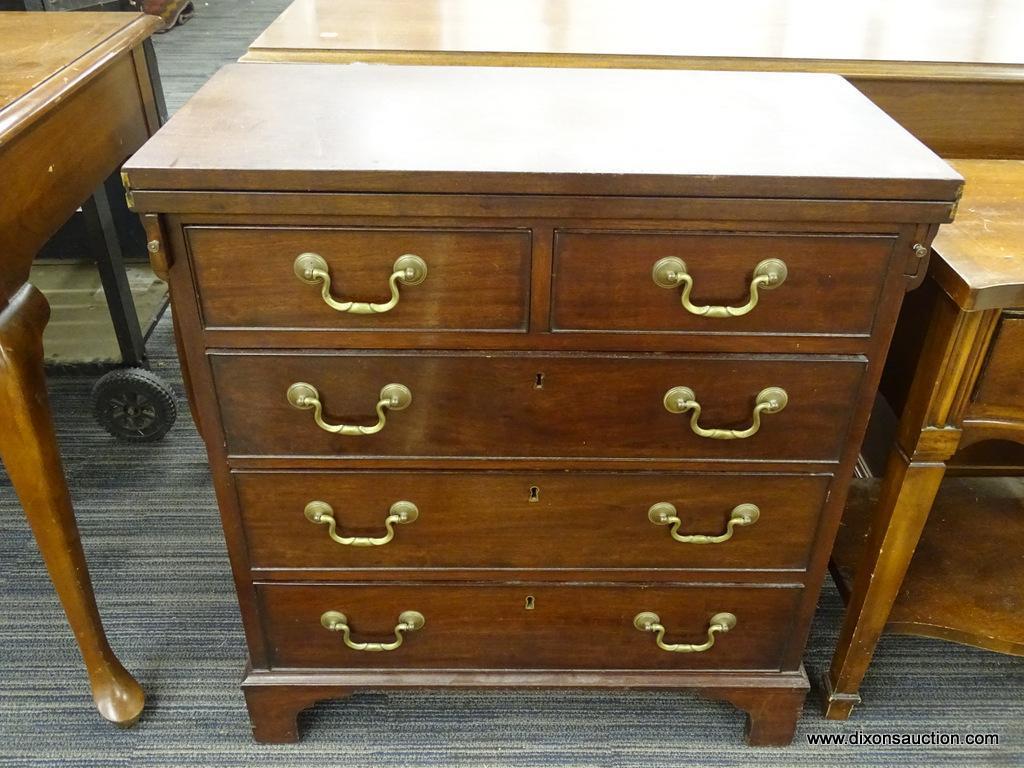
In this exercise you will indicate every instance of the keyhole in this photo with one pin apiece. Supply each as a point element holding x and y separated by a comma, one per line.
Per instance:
<point>538,382</point>
<point>534,494</point>
<point>529,602</point>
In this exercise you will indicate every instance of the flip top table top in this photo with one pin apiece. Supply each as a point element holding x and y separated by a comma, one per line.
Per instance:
<point>358,128</point>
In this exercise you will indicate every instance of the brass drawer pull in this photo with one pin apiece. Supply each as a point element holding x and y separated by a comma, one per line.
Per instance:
<point>312,268</point>
<point>647,621</point>
<point>394,397</point>
<point>671,272</point>
<point>401,512</point>
<point>408,621</point>
<point>683,399</point>
<point>664,513</point>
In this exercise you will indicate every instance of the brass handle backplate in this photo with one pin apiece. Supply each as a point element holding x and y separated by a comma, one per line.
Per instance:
<point>408,621</point>
<point>647,621</point>
<point>664,513</point>
<point>401,512</point>
<point>671,272</point>
<point>683,399</point>
<point>312,268</point>
<point>305,397</point>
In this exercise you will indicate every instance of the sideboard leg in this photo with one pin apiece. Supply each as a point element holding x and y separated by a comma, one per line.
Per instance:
<point>29,450</point>
<point>274,710</point>
<point>772,714</point>
<point>907,494</point>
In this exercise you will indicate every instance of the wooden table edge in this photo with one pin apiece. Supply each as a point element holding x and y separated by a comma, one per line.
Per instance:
<point>47,95</point>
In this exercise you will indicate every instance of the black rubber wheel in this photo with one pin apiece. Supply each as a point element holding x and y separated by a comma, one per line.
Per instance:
<point>134,405</point>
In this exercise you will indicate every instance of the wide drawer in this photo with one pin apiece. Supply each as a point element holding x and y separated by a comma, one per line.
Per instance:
<point>507,405</point>
<point>527,626</point>
<point>604,281</point>
<point>475,279</point>
<point>542,520</point>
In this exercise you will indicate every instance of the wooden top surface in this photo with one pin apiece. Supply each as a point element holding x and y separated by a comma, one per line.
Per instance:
<point>363,128</point>
<point>981,264</point>
<point>895,38</point>
<point>44,56</point>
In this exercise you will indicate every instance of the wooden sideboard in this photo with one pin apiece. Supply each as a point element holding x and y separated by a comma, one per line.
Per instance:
<point>951,72</point>
<point>964,347</point>
<point>62,78</point>
<point>559,388</point>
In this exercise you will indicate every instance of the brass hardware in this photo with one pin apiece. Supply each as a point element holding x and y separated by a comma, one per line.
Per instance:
<point>153,246</point>
<point>312,268</point>
<point>646,621</point>
<point>530,603</point>
<point>401,512</point>
<point>683,399</point>
<point>408,621</point>
<point>664,513</point>
<point>129,198</point>
<point>671,272</point>
<point>394,397</point>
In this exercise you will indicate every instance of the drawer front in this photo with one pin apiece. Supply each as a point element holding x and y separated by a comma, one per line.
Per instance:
<point>475,279</point>
<point>506,405</point>
<point>527,626</point>
<point>531,521</point>
<point>603,282</point>
<point>1000,389</point>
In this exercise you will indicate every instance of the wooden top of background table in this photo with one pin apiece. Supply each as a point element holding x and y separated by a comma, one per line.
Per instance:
<point>45,56</point>
<point>495,130</point>
<point>885,38</point>
<point>981,264</point>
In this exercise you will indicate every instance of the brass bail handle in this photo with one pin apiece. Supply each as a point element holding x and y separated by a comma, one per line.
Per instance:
<point>401,513</point>
<point>671,272</point>
<point>312,268</point>
<point>664,513</point>
<point>306,397</point>
<point>648,621</point>
<point>408,621</point>
<point>683,399</point>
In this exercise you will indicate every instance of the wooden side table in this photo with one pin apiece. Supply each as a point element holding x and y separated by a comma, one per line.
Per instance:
<point>967,387</point>
<point>59,75</point>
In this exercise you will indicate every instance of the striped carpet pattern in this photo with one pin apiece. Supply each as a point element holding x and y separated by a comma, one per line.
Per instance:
<point>151,532</point>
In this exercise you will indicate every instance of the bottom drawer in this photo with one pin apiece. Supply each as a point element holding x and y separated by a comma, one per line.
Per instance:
<point>527,626</point>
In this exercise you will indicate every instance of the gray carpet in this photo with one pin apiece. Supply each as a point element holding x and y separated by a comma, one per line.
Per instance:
<point>151,532</point>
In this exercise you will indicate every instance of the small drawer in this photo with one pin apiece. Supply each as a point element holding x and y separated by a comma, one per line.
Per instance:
<point>808,284</point>
<point>527,626</point>
<point>587,520</point>
<point>507,405</point>
<point>999,393</point>
<point>473,279</point>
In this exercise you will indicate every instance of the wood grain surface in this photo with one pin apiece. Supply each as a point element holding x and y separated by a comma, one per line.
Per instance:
<point>489,626</point>
<point>476,280</point>
<point>907,37</point>
<point>602,281</point>
<point>952,73</point>
<point>980,260</point>
<point>506,405</point>
<point>463,130</point>
<point>481,519</point>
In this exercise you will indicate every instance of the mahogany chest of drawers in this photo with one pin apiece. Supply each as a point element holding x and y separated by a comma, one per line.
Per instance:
<point>515,377</point>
